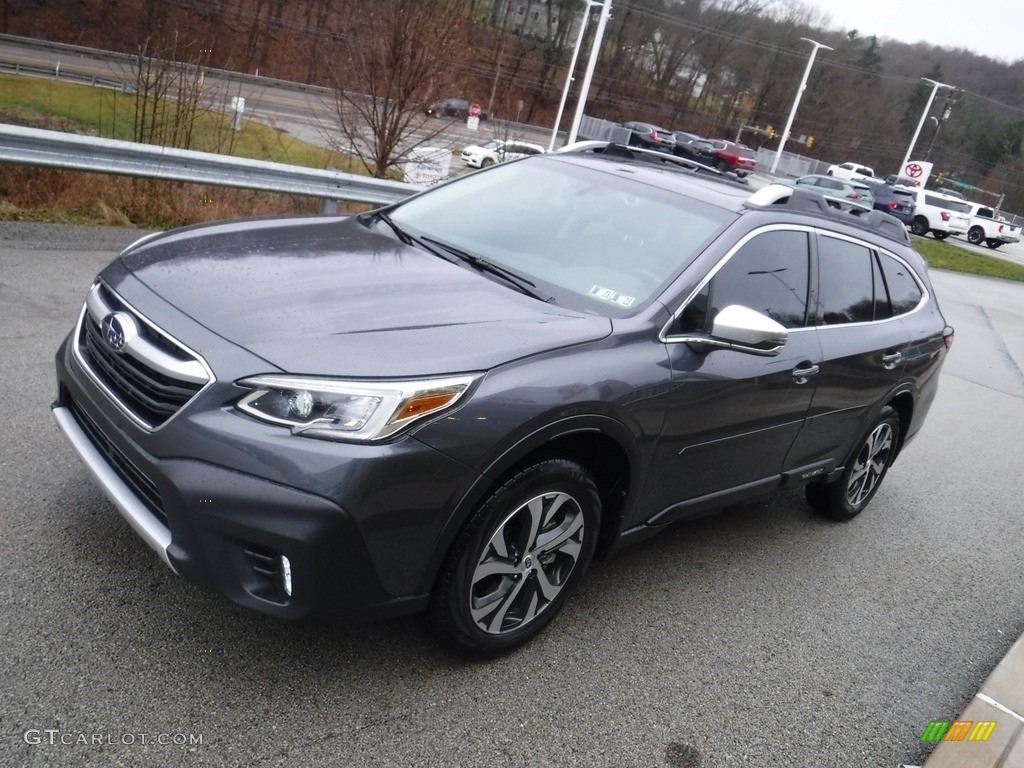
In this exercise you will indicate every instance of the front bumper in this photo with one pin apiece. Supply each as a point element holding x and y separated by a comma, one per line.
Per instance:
<point>293,527</point>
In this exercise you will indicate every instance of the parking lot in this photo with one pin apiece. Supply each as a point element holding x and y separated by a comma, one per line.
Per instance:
<point>763,636</point>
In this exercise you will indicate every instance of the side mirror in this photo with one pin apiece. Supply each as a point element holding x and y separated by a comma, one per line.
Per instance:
<point>746,330</point>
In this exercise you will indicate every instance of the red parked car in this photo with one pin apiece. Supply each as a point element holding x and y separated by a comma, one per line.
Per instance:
<point>730,156</point>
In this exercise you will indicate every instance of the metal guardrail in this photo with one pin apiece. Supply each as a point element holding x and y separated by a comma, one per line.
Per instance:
<point>30,69</point>
<point>129,60</point>
<point>53,149</point>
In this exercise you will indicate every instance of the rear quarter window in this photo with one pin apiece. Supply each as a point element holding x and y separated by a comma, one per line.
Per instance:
<point>904,292</point>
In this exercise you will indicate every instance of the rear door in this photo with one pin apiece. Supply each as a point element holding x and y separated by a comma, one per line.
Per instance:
<point>864,347</point>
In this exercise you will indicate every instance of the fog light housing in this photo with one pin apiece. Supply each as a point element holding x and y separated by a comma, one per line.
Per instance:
<point>273,572</point>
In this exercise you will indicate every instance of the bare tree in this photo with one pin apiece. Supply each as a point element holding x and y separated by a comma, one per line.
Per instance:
<point>405,47</point>
<point>167,81</point>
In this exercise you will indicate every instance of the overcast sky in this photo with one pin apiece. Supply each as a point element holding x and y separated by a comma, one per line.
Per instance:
<point>993,28</point>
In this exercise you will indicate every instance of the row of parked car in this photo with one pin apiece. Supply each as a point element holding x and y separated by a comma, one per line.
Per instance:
<point>726,156</point>
<point>941,212</point>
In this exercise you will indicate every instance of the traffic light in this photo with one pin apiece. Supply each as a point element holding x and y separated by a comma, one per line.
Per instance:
<point>810,142</point>
<point>770,131</point>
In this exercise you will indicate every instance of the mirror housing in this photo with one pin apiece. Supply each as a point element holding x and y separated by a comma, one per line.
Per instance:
<point>741,329</point>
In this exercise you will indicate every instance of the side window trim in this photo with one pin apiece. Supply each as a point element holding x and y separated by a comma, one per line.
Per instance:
<point>665,334</point>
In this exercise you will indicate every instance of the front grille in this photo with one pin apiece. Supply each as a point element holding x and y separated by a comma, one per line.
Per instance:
<point>134,379</point>
<point>144,488</point>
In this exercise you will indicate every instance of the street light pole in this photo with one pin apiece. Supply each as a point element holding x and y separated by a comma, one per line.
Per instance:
<point>606,12</point>
<point>924,116</point>
<point>796,101</point>
<point>569,74</point>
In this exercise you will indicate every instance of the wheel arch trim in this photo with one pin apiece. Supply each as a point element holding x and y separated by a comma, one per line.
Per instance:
<point>515,454</point>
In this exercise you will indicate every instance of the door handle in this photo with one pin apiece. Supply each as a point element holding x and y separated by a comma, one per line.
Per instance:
<point>803,374</point>
<point>891,359</point>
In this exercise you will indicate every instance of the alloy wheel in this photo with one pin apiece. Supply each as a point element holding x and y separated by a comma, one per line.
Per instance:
<point>870,464</point>
<point>526,562</point>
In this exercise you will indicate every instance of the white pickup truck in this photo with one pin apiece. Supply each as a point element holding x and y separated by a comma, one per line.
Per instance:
<point>986,228</point>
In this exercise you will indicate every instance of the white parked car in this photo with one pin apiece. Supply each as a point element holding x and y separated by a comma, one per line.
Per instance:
<point>940,214</point>
<point>498,151</point>
<point>851,171</point>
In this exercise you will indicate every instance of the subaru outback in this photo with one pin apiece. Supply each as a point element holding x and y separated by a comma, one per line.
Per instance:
<point>454,403</point>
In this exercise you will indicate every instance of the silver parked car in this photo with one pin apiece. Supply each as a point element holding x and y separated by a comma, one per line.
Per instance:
<point>841,193</point>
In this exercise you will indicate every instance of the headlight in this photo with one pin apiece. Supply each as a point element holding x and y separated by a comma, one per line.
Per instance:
<point>348,410</point>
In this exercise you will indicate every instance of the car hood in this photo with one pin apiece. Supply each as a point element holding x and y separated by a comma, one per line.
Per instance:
<point>331,297</point>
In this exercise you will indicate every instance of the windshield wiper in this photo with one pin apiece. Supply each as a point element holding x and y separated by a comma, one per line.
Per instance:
<point>368,218</point>
<point>482,264</point>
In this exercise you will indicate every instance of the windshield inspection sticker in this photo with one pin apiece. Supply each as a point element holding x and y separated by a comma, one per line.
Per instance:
<point>613,296</point>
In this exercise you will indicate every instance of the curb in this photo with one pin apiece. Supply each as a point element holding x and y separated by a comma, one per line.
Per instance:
<point>1000,700</point>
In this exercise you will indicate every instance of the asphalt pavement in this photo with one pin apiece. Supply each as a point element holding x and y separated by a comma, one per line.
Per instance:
<point>763,636</point>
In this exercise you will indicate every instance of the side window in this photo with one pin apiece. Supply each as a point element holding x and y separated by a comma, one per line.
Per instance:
<point>846,282</point>
<point>904,292</point>
<point>769,274</point>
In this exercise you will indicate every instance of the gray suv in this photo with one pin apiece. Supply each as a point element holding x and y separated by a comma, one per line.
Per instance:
<point>454,403</point>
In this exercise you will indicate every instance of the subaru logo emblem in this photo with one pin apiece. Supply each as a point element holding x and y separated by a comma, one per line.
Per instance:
<point>118,329</point>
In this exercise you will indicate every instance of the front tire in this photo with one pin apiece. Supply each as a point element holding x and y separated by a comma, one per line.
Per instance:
<point>518,560</point>
<point>975,236</point>
<point>846,497</point>
<point>486,162</point>
<point>920,226</point>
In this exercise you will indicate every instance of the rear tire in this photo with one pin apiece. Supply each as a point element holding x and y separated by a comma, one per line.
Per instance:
<point>993,244</point>
<point>941,235</point>
<point>846,497</point>
<point>518,560</point>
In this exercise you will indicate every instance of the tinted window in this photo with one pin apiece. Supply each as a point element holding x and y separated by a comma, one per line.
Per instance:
<point>769,274</point>
<point>904,292</point>
<point>846,282</point>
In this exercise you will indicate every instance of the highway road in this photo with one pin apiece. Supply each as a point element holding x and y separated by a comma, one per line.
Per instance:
<point>760,637</point>
<point>309,113</point>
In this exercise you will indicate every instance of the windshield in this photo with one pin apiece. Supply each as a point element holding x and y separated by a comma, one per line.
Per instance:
<point>594,240</point>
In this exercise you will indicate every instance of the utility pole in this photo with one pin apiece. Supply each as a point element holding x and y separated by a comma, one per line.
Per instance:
<point>606,12</point>
<point>924,116</point>
<point>572,69</point>
<point>796,101</point>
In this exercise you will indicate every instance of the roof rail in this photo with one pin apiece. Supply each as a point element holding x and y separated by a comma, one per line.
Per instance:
<point>814,202</point>
<point>613,149</point>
